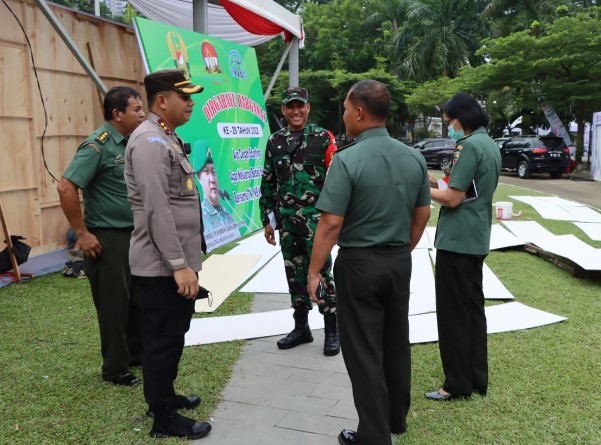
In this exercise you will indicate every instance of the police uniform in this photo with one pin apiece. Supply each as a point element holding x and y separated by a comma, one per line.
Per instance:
<point>462,242</point>
<point>375,184</point>
<point>97,169</point>
<point>167,237</point>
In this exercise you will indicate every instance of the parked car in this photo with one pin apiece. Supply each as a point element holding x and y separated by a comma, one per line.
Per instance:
<point>501,141</point>
<point>438,152</point>
<point>539,154</point>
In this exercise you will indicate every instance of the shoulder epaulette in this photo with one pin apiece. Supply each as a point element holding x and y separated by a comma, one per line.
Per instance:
<point>102,137</point>
<point>166,128</point>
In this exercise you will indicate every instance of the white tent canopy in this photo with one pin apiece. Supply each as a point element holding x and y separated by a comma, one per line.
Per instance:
<point>221,24</point>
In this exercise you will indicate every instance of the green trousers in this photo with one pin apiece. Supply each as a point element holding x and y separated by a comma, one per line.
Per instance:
<point>117,307</point>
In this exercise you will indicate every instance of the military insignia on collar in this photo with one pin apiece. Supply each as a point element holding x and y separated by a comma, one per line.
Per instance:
<point>164,125</point>
<point>102,137</point>
<point>189,184</point>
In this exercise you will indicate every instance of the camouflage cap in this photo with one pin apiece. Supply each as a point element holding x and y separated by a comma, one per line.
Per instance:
<point>296,93</point>
<point>201,155</point>
<point>170,80</point>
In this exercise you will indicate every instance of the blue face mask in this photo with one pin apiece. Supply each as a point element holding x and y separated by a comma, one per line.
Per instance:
<point>455,134</point>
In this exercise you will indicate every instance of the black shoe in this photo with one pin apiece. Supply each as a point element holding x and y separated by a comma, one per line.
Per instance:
<point>348,437</point>
<point>174,424</point>
<point>124,379</point>
<point>295,338</point>
<point>182,402</point>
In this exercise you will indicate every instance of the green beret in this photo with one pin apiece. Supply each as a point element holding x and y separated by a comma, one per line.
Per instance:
<point>201,155</point>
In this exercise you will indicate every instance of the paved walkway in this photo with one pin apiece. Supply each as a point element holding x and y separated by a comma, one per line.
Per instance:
<point>298,396</point>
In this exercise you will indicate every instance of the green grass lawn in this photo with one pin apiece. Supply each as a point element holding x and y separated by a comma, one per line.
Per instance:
<point>544,382</point>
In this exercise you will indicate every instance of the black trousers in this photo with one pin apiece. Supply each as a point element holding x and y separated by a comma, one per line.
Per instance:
<point>117,304</point>
<point>373,307</point>
<point>167,317</point>
<point>461,322</point>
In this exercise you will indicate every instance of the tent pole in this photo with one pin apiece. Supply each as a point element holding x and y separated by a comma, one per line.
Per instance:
<point>276,73</point>
<point>200,14</point>
<point>293,74</point>
<point>58,27</point>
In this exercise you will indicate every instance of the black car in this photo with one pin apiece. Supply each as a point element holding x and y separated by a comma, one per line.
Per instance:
<point>538,154</point>
<point>438,152</point>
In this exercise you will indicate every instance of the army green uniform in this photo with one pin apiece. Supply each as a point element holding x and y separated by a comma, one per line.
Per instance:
<point>98,169</point>
<point>462,242</point>
<point>293,177</point>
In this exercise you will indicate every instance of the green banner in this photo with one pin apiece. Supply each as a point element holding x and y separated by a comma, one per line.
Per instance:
<point>229,126</point>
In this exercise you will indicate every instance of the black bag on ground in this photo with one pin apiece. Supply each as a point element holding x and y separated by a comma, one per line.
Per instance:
<point>20,249</point>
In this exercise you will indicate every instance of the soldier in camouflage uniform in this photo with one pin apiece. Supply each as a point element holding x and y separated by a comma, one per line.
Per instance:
<point>296,161</point>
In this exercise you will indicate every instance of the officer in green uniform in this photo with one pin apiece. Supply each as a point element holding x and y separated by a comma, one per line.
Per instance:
<point>214,215</point>
<point>375,204</point>
<point>462,242</point>
<point>104,231</point>
<point>296,161</point>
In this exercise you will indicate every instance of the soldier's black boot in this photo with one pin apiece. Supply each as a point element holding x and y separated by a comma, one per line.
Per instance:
<point>301,332</point>
<point>169,423</point>
<point>331,345</point>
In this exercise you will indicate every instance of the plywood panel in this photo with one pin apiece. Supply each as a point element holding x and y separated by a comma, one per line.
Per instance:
<point>15,168</point>
<point>69,101</point>
<point>55,226</point>
<point>10,30</point>
<point>15,82</point>
<point>21,215</point>
<point>28,192</point>
<point>58,152</point>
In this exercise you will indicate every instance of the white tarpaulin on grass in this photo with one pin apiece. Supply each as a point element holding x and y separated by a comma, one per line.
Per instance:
<point>422,328</point>
<point>552,207</point>
<point>566,246</point>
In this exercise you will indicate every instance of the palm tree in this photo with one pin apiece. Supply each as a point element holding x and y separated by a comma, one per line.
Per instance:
<point>393,11</point>
<point>441,36</point>
<point>517,15</point>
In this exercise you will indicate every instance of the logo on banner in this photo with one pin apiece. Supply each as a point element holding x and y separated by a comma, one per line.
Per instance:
<point>209,55</point>
<point>237,68</point>
<point>178,51</point>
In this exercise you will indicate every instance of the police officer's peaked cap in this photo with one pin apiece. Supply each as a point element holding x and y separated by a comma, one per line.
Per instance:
<point>170,80</point>
<point>296,93</point>
<point>201,155</point>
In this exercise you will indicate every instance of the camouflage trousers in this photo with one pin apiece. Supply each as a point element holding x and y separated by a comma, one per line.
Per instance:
<point>296,241</point>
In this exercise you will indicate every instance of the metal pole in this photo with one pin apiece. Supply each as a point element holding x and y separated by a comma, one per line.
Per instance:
<point>293,75</point>
<point>57,25</point>
<point>276,73</point>
<point>200,16</point>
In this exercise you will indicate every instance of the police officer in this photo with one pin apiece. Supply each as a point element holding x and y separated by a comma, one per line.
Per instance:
<point>296,161</point>
<point>375,204</point>
<point>104,231</point>
<point>165,246</point>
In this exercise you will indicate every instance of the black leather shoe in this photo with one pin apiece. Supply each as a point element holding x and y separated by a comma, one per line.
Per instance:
<point>348,437</point>
<point>124,379</point>
<point>176,425</point>
<point>295,338</point>
<point>182,402</point>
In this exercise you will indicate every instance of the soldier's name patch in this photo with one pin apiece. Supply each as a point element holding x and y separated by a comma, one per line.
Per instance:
<point>153,139</point>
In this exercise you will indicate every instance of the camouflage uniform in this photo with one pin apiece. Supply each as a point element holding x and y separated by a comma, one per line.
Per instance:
<point>292,182</point>
<point>215,217</point>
